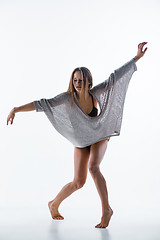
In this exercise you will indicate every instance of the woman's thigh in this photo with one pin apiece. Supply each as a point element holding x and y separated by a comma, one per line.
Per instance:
<point>81,157</point>
<point>97,151</point>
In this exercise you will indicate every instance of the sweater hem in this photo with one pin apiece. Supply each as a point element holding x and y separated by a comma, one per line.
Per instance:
<point>86,145</point>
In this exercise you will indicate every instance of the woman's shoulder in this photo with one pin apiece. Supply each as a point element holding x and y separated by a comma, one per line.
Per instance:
<point>63,95</point>
<point>61,98</point>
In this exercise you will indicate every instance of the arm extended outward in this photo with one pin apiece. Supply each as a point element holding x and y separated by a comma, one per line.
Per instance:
<point>26,107</point>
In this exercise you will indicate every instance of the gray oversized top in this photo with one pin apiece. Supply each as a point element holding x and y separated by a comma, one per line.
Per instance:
<point>77,126</point>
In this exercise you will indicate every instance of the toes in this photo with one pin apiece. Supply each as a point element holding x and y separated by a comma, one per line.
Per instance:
<point>102,226</point>
<point>58,218</point>
<point>98,225</point>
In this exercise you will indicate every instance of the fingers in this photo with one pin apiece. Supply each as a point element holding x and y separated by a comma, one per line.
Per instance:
<point>9,119</point>
<point>140,49</point>
<point>144,43</point>
<point>145,49</point>
<point>140,45</point>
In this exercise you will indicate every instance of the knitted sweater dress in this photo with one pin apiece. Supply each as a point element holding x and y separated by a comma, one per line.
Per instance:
<point>78,127</point>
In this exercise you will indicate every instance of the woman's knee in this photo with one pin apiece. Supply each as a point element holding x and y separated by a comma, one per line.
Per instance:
<point>79,183</point>
<point>93,169</point>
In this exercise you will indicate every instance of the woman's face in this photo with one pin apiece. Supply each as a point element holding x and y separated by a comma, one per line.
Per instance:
<point>78,81</point>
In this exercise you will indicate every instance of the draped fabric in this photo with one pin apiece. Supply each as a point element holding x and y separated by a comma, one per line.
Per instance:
<point>77,126</point>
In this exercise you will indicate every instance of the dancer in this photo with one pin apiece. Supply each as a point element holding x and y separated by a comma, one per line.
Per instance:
<point>74,115</point>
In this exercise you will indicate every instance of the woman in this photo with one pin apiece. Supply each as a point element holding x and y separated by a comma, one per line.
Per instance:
<point>89,132</point>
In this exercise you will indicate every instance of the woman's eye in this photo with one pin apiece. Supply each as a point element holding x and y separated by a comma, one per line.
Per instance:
<point>76,80</point>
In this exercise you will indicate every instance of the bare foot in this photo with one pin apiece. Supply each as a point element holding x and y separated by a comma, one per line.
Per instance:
<point>105,219</point>
<point>54,211</point>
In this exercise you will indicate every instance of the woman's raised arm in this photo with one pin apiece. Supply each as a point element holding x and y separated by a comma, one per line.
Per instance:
<point>26,107</point>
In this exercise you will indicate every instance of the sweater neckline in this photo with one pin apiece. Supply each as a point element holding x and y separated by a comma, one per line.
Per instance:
<point>79,107</point>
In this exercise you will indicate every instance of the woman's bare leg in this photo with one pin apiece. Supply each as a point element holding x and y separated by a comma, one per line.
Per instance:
<point>97,152</point>
<point>81,157</point>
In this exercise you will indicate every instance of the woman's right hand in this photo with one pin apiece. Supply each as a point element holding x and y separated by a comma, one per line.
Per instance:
<point>140,52</point>
<point>11,116</point>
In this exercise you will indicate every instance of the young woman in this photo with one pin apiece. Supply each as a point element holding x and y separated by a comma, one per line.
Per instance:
<point>74,114</point>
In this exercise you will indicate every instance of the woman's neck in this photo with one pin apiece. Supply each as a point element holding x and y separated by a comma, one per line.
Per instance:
<point>83,96</point>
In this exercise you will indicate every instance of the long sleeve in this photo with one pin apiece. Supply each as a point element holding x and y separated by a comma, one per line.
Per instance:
<point>44,104</point>
<point>124,71</point>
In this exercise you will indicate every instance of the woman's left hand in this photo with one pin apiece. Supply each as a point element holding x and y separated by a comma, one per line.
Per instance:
<point>140,52</point>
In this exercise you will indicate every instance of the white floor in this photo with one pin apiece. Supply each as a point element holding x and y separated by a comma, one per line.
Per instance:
<point>32,223</point>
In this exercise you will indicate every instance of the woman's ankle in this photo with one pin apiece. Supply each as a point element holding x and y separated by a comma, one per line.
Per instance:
<point>55,203</point>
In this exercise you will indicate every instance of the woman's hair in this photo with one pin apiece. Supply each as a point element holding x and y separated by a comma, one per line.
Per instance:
<point>86,74</point>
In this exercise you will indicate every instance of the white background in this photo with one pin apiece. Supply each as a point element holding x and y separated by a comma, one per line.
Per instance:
<point>41,43</point>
